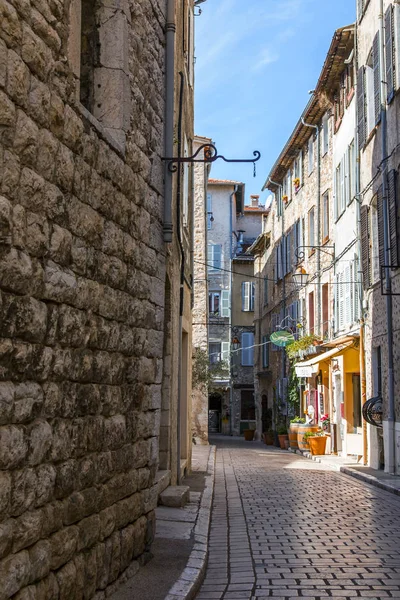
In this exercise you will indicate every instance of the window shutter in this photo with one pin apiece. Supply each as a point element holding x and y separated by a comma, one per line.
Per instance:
<point>380,227</point>
<point>217,256</point>
<point>377,78</point>
<point>245,296</point>
<point>247,349</point>
<point>390,66</point>
<point>252,294</point>
<point>336,303</point>
<point>209,210</point>
<point>393,217</point>
<point>341,302</point>
<point>342,205</point>
<point>277,260</point>
<point>365,252</point>
<point>301,167</point>
<point>225,351</point>
<point>356,303</point>
<point>348,316</point>
<point>288,252</point>
<point>362,116</point>
<point>335,193</point>
<point>225,304</point>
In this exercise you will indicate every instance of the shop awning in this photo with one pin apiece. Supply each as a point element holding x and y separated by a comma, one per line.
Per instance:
<point>308,368</point>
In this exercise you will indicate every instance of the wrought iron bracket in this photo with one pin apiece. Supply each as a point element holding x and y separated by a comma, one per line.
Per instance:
<point>300,252</point>
<point>210,156</point>
<point>383,268</point>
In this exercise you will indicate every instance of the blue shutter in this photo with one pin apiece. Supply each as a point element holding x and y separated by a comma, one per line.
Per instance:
<point>247,345</point>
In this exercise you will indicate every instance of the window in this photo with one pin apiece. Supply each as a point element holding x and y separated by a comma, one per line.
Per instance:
<point>298,170</point>
<point>325,217</point>
<point>209,211</point>
<point>225,303</point>
<point>340,189</point>
<point>214,349</point>
<point>278,200</point>
<point>311,315</point>
<point>369,94</point>
<point>248,290</point>
<point>265,291</point>
<point>101,67</point>
<point>311,228</point>
<point>349,80</point>
<point>247,349</point>
<point>325,134</point>
<point>287,187</point>
<point>390,47</point>
<point>214,258</point>
<point>265,351</point>
<point>325,311</point>
<point>361,6</point>
<point>351,175</point>
<point>310,155</point>
<point>214,303</point>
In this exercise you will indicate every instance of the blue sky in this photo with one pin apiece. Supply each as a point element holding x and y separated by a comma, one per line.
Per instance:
<point>256,60</point>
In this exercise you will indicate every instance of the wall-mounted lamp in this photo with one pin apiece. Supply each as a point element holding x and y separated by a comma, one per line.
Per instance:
<point>300,277</point>
<point>235,343</point>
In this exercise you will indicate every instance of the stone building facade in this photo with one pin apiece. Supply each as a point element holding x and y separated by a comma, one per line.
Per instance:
<point>301,232</point>
<point>87,312</point>
<point>202,221</point>
<point>378,109</point>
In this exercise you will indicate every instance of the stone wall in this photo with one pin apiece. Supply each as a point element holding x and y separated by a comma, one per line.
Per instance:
<point>82,294</point>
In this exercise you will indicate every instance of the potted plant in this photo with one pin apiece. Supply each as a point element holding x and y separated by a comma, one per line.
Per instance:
<point>296,183</point>
<point>268,437</point>
<point>285,199</point>
<point>249,432</point>
<point>282,435</point>
<point>316,441</point>
<point>325,422</point>
<point>293,429</point>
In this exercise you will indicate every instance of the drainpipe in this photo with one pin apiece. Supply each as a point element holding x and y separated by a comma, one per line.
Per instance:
<point>170,30</point>
<point>230,312</point>
<point>319,312</point>
<point>182,280</point>
<point>388,283</point>
<point>283,290</point>
<point>363,380</point>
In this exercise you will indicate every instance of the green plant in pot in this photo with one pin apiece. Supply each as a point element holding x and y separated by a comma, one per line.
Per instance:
<point>268,437</point>
<point>281,430</point>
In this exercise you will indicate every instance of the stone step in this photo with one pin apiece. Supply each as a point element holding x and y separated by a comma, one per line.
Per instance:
<point>175,495</point>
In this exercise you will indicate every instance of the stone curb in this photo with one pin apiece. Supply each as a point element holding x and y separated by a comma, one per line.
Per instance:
<point>370,479</point>
<point>192,576</point>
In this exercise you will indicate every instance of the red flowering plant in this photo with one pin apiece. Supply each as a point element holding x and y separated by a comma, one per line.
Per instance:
<point>325,422</point>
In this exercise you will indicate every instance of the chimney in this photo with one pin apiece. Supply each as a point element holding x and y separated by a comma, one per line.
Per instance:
<point>254,200</point>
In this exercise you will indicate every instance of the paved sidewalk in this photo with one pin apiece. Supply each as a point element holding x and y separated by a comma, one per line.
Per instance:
<point>180,546</point>
<point>285,527</point>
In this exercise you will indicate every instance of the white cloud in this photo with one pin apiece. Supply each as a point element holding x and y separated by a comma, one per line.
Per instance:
<point>266,57</point>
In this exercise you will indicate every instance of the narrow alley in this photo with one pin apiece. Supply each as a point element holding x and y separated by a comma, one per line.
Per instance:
<point>285,527</point>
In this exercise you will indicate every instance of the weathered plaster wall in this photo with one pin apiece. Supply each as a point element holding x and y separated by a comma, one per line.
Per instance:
<point>82,295</point>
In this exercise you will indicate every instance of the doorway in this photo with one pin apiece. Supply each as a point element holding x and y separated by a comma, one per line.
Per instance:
<point>214,413</point>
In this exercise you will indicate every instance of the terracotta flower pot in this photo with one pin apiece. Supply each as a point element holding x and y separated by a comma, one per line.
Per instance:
<point>317,445</point>
<point>249,435</point>
<point>268,439</point>
<point>282,439</point>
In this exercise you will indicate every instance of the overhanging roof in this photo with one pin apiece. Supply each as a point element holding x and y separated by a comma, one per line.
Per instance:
<point>340,48</point>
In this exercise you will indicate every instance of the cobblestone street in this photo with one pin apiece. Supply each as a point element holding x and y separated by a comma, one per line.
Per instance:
<point>285,527</point>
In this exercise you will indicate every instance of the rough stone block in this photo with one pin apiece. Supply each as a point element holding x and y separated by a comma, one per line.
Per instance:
<point>27,529</point>
<point>63,546</point>
<point>7,391</point>
<point>28,401</point>
<point>35,53</point>
<point>66,578</point>
<point>14,573</point>
<point>13,447</point>
<point>10,25</point>
<point>175,496</point>
<point>40,558</point>
<point>24,484</point>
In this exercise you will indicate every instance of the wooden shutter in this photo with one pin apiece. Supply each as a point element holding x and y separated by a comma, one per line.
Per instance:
<point>225,351</point>
<point>225,304</point>
<point>356,302</point>
<point>348,312</point>
<point>247,349</point>
<point>381,239</point>
<point>393,218</point>
<point>365,252</point>
<point>252,294</point>
<point>377,78</point>
<point>390,65</point>
<point>361,108</point>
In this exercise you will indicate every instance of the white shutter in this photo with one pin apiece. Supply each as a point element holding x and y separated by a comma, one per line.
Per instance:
<point>252,294</point>
<point>342,186</point>
<point>217,257</point>
<point>347,296</point>
<point>335,194</point>
<point>347,162</point>
<point>225,351</point>
<point>301,167</point>
<point>340,301</point>
<point>225,303</point>
<point>246,296</point>
<point>396,42</point>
